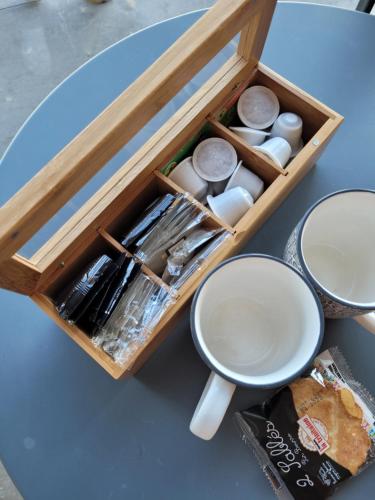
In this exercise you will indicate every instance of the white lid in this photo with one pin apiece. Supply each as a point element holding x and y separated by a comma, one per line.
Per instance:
<point>214,159</point>
<point>258,107</point>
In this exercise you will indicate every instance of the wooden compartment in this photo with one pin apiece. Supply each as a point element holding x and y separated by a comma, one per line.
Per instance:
<point>257,163</point>
<point>106,241</point>
<point>97,225</point>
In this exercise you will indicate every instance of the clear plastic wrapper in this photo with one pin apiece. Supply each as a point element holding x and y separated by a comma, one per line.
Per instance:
<point>148,218</point>
<point>106,300</point>
<point>77,296</point>
<point>196,262</point>
<point>134,318</point>
<point>93,310</point>
<point>184,250</point>
<point>116,290</point>
<point>315,433</point>
<point>181,218</point>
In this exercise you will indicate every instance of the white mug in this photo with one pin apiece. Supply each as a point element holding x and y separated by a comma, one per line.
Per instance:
<point>185,176</point>
<point>245,178</point>
<point>334,247</point>
<point>256,322</point>
<point>231,205</point>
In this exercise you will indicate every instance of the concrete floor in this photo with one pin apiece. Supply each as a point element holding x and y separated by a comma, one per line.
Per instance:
<point>54,37</point>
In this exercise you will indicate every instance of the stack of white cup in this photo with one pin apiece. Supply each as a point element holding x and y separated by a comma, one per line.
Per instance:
<point>258,108</point>
<point>214,175</point>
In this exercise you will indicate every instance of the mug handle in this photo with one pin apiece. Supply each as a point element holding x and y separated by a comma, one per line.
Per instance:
<point>212,406</point>
<point>367,321</point>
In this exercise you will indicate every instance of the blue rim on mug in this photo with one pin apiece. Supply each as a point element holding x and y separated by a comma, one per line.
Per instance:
<point>306,270</point>
<point>202,354</point>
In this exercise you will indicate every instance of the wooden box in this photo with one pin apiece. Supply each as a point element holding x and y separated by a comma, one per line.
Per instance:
<point>95,225</point>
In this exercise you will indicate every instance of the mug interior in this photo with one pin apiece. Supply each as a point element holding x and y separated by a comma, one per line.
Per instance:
<point>256,321</point>
<point>338,247</point>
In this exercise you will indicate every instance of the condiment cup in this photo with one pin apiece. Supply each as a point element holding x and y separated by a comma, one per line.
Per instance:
<point>231,205</point>
<point>214,159</point>
<point>186,177</point>
<point>252,136</point>
<point>258,107</point>
<point>289,126</point>
<point>243,177</point>
<point>277,149</point>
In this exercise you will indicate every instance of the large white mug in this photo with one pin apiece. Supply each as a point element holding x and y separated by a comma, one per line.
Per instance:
<point>256,322</point>
<point>334,247</point>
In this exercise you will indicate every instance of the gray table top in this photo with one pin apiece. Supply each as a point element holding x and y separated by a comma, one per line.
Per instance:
<point>67,430</point>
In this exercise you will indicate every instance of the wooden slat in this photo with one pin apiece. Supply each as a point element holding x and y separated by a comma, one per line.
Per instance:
<point>314,148</point>
<point>291,94</point>
<point>113,242</point>
<point>176,188</point>
<point>19,275</point>
<point>117,246</point>
<point>64,175</point>
<point>254,35</point>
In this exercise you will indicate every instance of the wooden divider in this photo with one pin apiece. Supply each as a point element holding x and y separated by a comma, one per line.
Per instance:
<point>258,163</point>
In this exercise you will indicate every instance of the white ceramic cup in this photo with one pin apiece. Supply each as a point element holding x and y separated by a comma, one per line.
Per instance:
<point>256,322</point>
<point>334,247</point>
<point>231,205</point>
<point>289,126</point>
<point>277,149</point>
<point>252,136</point>
<point>258,107</point>
<point>243,177</point>
<point>185,176</point>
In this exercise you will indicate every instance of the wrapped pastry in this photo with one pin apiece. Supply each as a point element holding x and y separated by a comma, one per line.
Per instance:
<point>315,433</point>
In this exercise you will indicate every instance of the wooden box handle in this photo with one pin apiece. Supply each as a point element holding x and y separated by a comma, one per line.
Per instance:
<point>30,208</point>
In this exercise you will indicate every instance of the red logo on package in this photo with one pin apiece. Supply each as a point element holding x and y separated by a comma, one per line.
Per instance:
<point>313,434</point>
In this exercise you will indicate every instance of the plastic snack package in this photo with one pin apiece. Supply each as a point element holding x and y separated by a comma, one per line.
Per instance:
<point>184,250</point>
<point>134,318</point>
<point>76,297</point>
<point>106,300</point>
<point>198,260</point>
<point>97,290</point>
<point>181,218</point>
<point>87,320</point>
<point>116,290</point>
<point>148,218</point>
<point>315,433</point>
